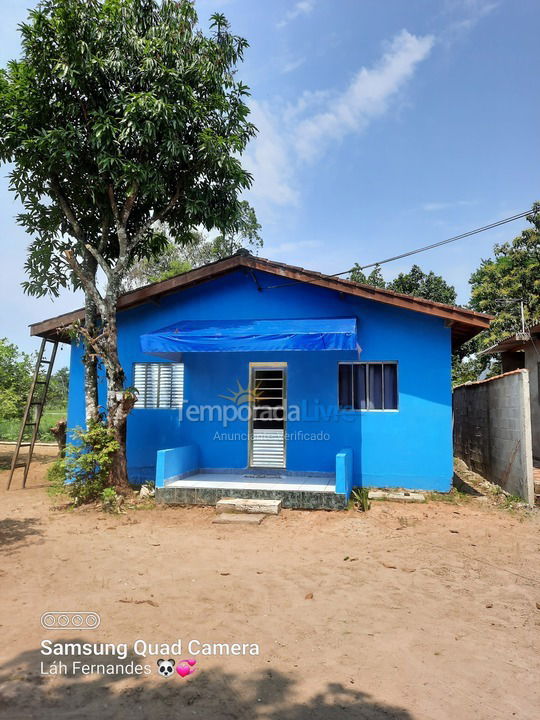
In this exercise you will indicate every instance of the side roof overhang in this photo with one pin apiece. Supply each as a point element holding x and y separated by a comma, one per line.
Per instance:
<point>464,323</point>
<point>513,343</point>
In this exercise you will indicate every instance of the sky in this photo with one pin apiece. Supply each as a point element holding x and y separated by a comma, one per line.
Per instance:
<point>384,125</point>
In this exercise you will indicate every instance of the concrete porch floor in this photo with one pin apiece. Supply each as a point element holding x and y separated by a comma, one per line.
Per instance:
<point>252,481</point>
<point>307,492</point>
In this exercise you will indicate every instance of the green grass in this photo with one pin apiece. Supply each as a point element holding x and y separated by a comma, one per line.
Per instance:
<point>9,429</point>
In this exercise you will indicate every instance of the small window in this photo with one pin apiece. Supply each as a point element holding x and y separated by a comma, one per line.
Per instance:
<point>368,386</point>
<point>160,385</point>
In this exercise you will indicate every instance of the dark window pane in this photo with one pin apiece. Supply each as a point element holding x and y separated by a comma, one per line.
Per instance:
<point>345,386</point>
<point>359,387</point>
<point>375,399</point>
<point>390,387</point>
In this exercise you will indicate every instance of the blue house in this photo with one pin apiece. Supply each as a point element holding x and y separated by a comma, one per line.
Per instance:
<point>260,379</point>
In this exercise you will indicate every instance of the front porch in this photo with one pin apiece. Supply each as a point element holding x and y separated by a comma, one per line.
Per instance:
<point>180,482</point>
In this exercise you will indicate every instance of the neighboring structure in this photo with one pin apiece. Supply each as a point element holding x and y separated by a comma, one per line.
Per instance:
<point>492,431</point>
<point>266,380</point>
<point>522,350</point>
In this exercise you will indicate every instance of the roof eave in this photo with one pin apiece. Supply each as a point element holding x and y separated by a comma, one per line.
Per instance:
<point>465,323</point>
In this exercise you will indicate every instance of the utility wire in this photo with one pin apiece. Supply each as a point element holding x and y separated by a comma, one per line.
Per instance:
<point>504,221</point>
<point>442,242</point>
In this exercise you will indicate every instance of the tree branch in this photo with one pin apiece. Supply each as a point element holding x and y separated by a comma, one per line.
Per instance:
<point>86,281</point>
<point>103,264</point>
<point>128,205</point>
<point>158,215</point>
<point>120,226</point>
<point>67,210</point>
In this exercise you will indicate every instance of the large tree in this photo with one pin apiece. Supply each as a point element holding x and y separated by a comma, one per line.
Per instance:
<point>510,278</point>
<point>120,115</point>
<point>501,286</point>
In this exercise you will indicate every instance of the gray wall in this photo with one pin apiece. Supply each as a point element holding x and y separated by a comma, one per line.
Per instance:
<point>492,431</point>
<point>532,363</point>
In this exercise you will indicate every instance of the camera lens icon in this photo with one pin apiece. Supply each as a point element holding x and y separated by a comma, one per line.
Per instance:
<point>76,620</point>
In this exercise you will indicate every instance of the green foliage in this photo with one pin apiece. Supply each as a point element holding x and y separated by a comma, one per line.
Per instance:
<point>512,274</point>
<point>416,282</point>
<point>175,259</point>
<point>360,497</point>
<point>56,477</point>
<point>88,461</point>
<point>118,115</point>
<point>111,501</point>
<point>497,287</point>
<point>15,379</point>
<point>374,278</point>
<point>57,393</point>
<point>16,369</point>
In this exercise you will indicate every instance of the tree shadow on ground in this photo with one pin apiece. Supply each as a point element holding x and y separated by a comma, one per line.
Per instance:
<point>13,531</point>
<point>212,694</point>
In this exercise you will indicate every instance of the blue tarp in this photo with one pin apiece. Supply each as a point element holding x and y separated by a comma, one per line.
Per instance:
<point>251,336</point>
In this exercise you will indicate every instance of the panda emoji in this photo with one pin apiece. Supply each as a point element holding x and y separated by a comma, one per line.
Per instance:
<point>165,667</point>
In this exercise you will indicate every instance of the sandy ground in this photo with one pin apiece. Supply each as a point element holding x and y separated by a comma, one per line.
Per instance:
<point>421,612</point>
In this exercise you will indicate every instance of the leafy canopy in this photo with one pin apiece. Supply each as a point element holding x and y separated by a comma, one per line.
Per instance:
<point>513,274</point>
<point>175,259</point>
<point>416,282</point>
<point>15,379</point>
<point>119,115</point>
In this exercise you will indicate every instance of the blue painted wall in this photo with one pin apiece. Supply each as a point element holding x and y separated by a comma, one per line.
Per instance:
<point>410,447</point>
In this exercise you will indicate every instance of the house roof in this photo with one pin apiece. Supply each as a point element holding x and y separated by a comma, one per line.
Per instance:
<point>513,343</point>
<point>465,324</point>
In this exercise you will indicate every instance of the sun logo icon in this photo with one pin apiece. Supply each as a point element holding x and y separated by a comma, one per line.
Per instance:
<point>242,395</point>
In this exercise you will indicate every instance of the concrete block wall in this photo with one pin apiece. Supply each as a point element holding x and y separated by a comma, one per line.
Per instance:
<point>532,363</point>
<point>492,431</point>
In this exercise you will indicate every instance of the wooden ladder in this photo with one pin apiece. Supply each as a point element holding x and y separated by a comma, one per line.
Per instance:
<point>34,409</point>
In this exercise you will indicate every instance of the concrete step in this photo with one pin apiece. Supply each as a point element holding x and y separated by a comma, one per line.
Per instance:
<point>396,496</point>
<point>238,519</point>
<point>248,505</point>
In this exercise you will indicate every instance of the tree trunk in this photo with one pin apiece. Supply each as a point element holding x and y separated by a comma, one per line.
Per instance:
<point>119,405</point>
<point>59,432</point>
<point>91,322</point>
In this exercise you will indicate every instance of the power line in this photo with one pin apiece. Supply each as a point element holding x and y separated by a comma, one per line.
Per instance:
<point>441,242</point>
<point>419,250</point>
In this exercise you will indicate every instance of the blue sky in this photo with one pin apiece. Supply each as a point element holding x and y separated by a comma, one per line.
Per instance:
<point>384,125</point>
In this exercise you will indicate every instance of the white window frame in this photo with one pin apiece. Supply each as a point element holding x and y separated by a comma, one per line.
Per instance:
<point>370,410</point>
<point>161,403</point>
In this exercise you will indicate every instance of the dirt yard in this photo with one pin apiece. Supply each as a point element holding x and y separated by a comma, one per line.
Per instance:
<point>409,612</point>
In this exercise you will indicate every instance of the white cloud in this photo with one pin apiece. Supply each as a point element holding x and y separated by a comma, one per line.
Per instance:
<point>291,65</point>
<point>291,135</point>
<point>468,14</point>
<point>267,159</point>
<point>304,7</point>
<point>289,247</point>
<point>436,206</point>
<point>366,97</point>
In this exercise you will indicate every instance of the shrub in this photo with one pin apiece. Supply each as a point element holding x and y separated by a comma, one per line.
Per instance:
<point>361,500</point>
<point>84,472</point>
<point>111,501</point>
<point>56,476</point>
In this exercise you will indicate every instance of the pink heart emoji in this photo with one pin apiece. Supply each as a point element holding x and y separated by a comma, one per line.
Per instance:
<point>183,668</point>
